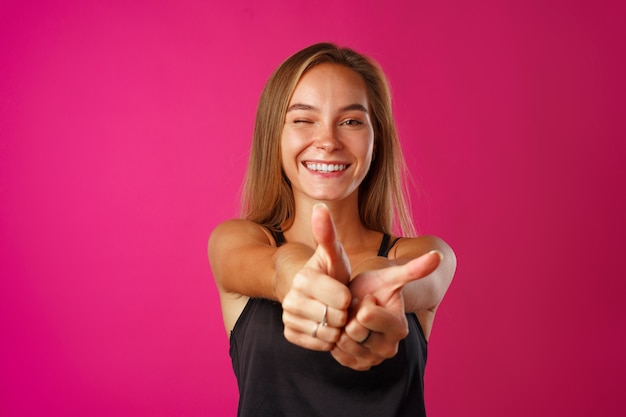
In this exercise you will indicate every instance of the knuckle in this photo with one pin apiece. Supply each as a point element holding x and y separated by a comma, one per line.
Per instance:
<point>290,335</point>
<point>299,281</point>
<point>349,362</point>
<point>363,366</point>
<point>289,303</point>
<point>342,318</point>
<point>389,351</point>
<point>404,332</point>
<point>334,335</point>
<point>344,298</point>
<point>287,319</point>
<point>364,315</point>
<point>327,346</point>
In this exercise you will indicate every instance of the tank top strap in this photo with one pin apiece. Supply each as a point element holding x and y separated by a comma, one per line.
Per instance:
<point>385,246</point>
<point>383,250</point>
<point>278,235</point>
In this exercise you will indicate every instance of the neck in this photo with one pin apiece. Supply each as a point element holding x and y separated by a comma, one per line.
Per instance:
<point>345,213</point>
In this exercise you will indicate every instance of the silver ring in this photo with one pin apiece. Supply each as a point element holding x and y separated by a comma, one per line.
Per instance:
<point>314,332</point>
<point>369,333</point>
<point>324,322</point>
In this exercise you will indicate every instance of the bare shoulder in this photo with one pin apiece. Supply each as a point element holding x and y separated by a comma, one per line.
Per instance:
<point>239,231</point>
<point>239,255</point>
<point>414,247</point>
<point>408,249</point>
<point>236,235</point>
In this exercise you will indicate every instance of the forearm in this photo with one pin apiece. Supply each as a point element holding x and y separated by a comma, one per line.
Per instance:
<point>287,261</point>
<point>245,262</point>
<point>428,292</point>
<point>270,276</point>
<point>423,294</point>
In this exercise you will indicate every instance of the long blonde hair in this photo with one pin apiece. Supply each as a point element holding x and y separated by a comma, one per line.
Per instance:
<point>383,198</point>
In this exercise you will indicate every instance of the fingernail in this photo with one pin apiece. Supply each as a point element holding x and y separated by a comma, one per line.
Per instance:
<point>438,253</point>
<point>319,205</point>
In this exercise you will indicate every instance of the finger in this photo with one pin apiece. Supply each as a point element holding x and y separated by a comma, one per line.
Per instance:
<point>308,329</point>
<point>364,355</point>
<point>298,304</point>
<point>306,340</point>
<point>354,328</point>
<point>361,362</point>
<point>314,285</point>
<point>380,319</point>
<point>379,344</point>
<point>415,269</point>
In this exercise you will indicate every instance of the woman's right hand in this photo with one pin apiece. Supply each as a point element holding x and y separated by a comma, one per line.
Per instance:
<point>315,307</point>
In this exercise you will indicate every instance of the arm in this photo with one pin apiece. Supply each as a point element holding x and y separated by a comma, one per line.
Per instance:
<point>425,294</point>
<point>246,263</point>
<point>420,292</point>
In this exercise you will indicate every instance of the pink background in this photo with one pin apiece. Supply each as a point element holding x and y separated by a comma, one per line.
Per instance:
<point>124,132</point>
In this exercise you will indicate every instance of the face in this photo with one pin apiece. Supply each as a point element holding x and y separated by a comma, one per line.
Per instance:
<point>327,139</point>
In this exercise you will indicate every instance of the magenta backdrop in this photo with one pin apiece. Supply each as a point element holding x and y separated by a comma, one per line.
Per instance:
<point>124,132</point>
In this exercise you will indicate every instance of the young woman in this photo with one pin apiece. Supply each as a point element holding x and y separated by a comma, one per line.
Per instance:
<point>328,311</point>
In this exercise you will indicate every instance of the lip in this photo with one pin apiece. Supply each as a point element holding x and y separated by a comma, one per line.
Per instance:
<point>325,167</point>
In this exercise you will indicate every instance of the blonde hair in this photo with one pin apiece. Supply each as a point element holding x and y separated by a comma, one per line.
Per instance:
<point>383,198</point>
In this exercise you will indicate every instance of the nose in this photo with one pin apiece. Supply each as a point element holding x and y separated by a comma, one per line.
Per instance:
<point>326,139</point>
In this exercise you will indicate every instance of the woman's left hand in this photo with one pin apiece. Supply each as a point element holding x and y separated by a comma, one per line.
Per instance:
<point>378,322</point>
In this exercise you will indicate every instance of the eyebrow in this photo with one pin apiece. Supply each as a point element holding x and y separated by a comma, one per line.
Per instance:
<point>349,107</point>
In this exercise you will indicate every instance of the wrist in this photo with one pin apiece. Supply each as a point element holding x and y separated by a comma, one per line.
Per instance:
<point>288,260</point>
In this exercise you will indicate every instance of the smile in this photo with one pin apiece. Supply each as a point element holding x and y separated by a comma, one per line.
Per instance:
<point>318,167</point>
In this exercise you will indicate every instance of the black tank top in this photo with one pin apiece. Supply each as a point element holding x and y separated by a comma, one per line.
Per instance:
<point>277,378</point>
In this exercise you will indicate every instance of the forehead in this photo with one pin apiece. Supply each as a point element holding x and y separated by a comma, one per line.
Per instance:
<point>330,83</point>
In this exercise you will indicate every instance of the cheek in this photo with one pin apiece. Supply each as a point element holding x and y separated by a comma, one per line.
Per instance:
<point>288,153</point>
<point>366,147</point>
<point>368,152</point>
<point>285,150</point>
<point>291,144</point>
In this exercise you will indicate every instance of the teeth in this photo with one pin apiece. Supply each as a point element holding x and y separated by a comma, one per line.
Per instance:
<point>325,167</point>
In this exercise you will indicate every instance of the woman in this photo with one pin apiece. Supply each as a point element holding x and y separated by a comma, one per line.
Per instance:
<point>328,312</point>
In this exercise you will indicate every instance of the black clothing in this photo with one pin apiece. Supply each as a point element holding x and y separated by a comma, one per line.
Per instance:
<point>277,378</point>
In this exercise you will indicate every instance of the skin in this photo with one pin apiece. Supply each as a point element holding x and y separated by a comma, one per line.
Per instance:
<point>330,258</point>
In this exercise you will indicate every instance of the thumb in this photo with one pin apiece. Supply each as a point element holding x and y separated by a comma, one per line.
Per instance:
<point>323,228</point>
<point>418,268</point>
<point>325,235</point>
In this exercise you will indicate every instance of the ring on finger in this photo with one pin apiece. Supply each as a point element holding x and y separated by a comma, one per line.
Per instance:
<point>314,332</point>
<point>369,333</point>
<point>324,322</point>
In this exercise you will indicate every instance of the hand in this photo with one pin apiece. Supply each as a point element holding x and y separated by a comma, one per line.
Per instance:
<point>377,322</point>
<point>316,306</point>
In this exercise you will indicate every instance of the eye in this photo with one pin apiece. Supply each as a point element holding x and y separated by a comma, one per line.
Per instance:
<point>301,121</point>
<point>352,122</point>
